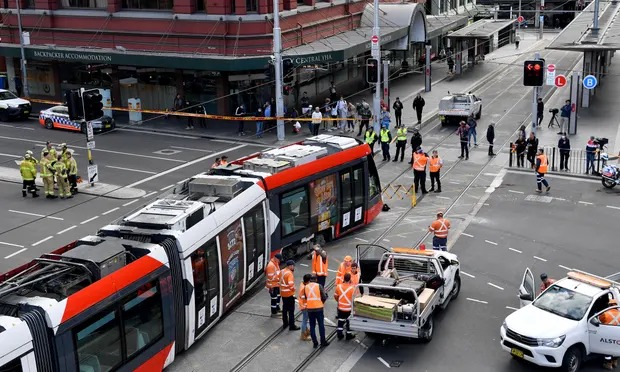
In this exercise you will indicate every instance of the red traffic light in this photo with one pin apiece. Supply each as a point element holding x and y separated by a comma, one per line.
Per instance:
<point>533,73</point>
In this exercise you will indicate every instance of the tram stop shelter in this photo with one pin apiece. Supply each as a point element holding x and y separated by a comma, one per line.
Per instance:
<point>598,45</point>
<point>471,43</point>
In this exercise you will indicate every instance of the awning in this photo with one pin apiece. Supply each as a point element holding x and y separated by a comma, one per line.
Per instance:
<point>410,15</point>
<point>482,29</point>
<point>442,24</point>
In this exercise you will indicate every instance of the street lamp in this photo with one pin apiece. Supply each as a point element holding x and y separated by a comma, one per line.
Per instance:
<point>23,53</point>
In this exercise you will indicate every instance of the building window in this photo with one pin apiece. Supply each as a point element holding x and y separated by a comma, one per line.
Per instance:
<point>251,5</point>
<point>200,5</point>
<point>148,4</point>
<point>96,4</point>
<point>294,211</point>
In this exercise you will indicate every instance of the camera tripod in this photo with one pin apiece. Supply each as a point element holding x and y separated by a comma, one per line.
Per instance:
<point>553,120</point>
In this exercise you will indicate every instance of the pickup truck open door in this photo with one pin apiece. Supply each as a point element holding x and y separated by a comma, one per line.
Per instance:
<point>367,257</point>
<point>527,291</point>
<point>604,338</point>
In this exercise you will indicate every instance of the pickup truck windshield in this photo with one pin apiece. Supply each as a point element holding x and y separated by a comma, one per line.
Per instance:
<point>564,302</point>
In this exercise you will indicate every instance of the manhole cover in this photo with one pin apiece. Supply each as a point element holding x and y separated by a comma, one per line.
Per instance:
<point>539,198</point>
<point>396,363</point>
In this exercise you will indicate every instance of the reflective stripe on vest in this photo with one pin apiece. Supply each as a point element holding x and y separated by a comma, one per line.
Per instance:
<point>318,267</point>
<point>287,283</point>
<point>612,317</point>
<point>442,231</point>
<point>345,298</point>
<point>301,296</point>
<point>273,275</point>
<point>543,163</point>
<point>435,164</point>
<point>370,137</point>
<point>385,138</point>
<point>313,296</point>
<point>401,134</point>
<point>419,162</point>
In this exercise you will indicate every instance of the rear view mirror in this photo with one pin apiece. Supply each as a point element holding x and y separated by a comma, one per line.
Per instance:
<point>454,262</point>
<point>595,322</point>
<point>526,297</point>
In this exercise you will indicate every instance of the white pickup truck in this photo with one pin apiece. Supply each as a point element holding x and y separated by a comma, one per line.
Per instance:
<point>400,290</point>
<point>561,327</point>
<point>459,106</point>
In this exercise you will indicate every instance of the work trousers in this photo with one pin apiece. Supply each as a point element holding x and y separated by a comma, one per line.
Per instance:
<point>28,186</point>
<point>288,311</point>
<point>275,299</point>
<point>316,316</point>
<point>48,185</point>
<point>321,279</point>
<point>343,323</point>
<point>385,148</point>
<point>363,126</point>
<point>435,178</point>
<point>464,149</point>
<point>440,244</point>
<point>304,321</point>
<point>418,113</point>
<point>419,180</point>
<point>540,180</point>
<point>241,126</point>
<point>72,178</point>
<point>315,129</point>
<point>399,117</point>
<point>590,162</point>
<point>400,149</point>
<point>63,186</point>
<point>564,155</point>
<point>520,159</point>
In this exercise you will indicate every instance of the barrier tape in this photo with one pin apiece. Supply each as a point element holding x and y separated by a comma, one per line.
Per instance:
<point>188,114</point>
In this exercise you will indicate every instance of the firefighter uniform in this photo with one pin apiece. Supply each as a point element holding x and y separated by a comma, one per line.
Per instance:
<point>434,164</point>
<point>287,290</point>
<point>419,171</point>
<point>386,137</point>
<point>272,271</point>
<point>440,228</point>
<point>344,296</point>
<point>47,176</point>
<point>72,171</point>
<point>401,142</point>
<point>49,149</point>
<point>28,171</point>
<point>320,265</point>
<point>60,170</point>
<point>370,137</point>
<point>541,169</point>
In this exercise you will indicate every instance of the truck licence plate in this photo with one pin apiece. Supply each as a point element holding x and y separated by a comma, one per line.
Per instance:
<point>516,352</point>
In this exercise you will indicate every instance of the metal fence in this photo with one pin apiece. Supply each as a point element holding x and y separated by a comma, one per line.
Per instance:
<point>576,162</point>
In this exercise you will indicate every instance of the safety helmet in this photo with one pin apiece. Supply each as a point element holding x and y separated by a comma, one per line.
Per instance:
<point>27,156</point>
<point>348,259</point>
<point>28,152</point>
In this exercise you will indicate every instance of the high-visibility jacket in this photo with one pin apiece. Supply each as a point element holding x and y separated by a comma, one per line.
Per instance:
<point>370,137</point>
<point>344,296</point>
<point>342,269</point>
<point>301,296</point>
<point>60,169</point>
<point>610,317</point>
<point>71,165</point>
<point>319,268</point>
<point>312,293</point>
<point>440,227</point>
<point>385,135</point>
<point>542,168</point>
<point>355,280</point>
<point>287,283</point>
<point>28,170</point>
<point>435,164</point>
<point>52,152</point>
<point>419,162</point>
<point>401,134</point>
<point>272,271</point>
<point>45,167</point>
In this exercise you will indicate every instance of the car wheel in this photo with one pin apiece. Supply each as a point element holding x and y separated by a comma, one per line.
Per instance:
<point>428,329</point>
<point>572,360</point>
<point>479,114</point>
<point>49,124</point>
<point>456,289</point>
<point>608,183</point>
<point>4,115</point>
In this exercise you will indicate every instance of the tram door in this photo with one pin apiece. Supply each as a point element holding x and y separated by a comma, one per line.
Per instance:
<point>351,197</point>
<point>206,272</point>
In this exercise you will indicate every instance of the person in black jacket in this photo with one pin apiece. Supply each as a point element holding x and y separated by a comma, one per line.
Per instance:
<point>491,138</point>
<point>418,105</point>
<point>564,147</point>
<point>532,148</point>
<point>416,142</point>
<point>398,111</point>
<point>520,148</point>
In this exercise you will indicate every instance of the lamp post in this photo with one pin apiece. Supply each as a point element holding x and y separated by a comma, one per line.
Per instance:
<point>376,53</point>
<point>277,54</point>
<point>21,47</point>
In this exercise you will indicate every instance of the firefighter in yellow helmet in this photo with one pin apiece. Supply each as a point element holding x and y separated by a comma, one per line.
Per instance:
<point>29,173</point>
<point>60,169</point>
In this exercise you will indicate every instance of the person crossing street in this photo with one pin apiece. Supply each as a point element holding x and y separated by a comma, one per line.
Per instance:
<point>272,272</point>
<point>434,164</point>
<point>419,170</point>
<point>60,170</point>
<point>287,291</point>
<point>28,171</point>
<point>463,133</point>
<point>72,171</point>
<point>401,142</point>
<point>386,137</point>
<point>398,111</point>
<point>440,228</point>
<point>416,142</point>
<point>320,264</point>
<point>418,106</point>
<point>344,295</point>
<point>47,176</point>
<point>541,169</point>
<point>315,297</point>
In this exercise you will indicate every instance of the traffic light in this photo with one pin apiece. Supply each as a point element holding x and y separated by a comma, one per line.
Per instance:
<point>270,73</point>
<point>92,105</point>
<point>533,73</point>
<point>288,70</point>
<point>74,105</point>
<point>372,70</point>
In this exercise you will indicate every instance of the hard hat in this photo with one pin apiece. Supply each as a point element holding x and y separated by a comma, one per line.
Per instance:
<point>27,156</point>
<point>278,256</point>
<point>348,259</point>
<point>29,152</point>
<point>290,263</point>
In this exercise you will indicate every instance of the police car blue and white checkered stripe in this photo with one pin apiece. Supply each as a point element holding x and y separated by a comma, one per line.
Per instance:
<point>60,120</point>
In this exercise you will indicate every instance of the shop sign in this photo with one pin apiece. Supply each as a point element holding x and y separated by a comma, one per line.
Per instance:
<point>72,56</point>
<point>312,59</point>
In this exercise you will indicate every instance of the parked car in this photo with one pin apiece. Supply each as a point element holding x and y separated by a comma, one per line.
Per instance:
<point>58,117</point>
<point>13,107</point>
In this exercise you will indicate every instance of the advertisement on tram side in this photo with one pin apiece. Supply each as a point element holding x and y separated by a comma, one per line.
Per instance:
<point>231,245</point>
<point>323,201</point>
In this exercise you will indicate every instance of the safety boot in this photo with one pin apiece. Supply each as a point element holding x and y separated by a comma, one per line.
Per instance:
<point>350,336</point>
<point>34,194</point>
<point>24,193</point>
<point>608,365</point>
<point>614,363</point>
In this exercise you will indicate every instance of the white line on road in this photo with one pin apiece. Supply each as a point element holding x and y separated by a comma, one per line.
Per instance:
<point>332,271</point>
<point>613,207</point>
<point>130,169</point>
<point>189,148</point>
<point>539,258</point>
<point>15,253</point>
<point>89,220</point>
<point>243,143</point>
<point>329,321</point>
<point>455,183</point>
<point>516,192</point>
<point>511,308</point>
<point>560,199</point>
<point>362,240</point>
<point>7,126</point>
<point>110,211</point>
<point>37,215</point>
<point>495,286</point>
<point>515,250</point>
<point>490,242</point>
<point>67,229</point>
<point>386,240</point>
<point>585,203</point>
<point>12,245</point>
<point>466,234</point>
<point>188,164</point>
<point>43,240</point>
<point>442,197</point>
<point>304,265</point>
<point>491,174</point>
<point>10,155</point>
<point>384,362</point>
<point>130,203</point>
<point>564,267</point>
<point>478,301</point>
<point>149,194</point>
<point>157,133</point>
<point>469,275</point>
<point>166,188</point>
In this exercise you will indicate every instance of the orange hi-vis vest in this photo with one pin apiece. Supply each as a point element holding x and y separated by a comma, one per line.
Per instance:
<point>287,283</point>
<point>543,163</point>
<point>434,164</point>
<point>301,296</point>
<point>272,271</point>
<point>344,295</point>
<point>319,268</point>
<point>610,317</point>
<point>313,296</point>
<point>440,227</point>
<point>419,162</point>
<point>342,269</point>
<point>355,280</point>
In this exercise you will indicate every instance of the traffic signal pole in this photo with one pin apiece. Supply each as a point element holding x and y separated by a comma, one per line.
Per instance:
<point>277,54</point>
<point>535,92</point>
<point>376,53</point>
<point>89,130</point>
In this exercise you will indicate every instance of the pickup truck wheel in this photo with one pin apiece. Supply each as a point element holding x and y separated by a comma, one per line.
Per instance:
<point>4,115</point>
<point>456,289</point>
<point>428,329</point>
<point>479,114</point>
<point>572,360</point>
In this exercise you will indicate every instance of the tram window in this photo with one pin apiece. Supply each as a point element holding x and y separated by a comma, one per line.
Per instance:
<point>205,269</point>
<point>294,207</point>
<point>374,187</point>
<point>254,224</point>
<point>13,366</point>
<point>98,342</point>
<point>142,318</point>
<point>358,186</point>
<point>345,187</point>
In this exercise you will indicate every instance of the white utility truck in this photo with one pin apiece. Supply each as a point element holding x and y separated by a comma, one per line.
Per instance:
<point>401,288</point>
<point>459,106</point>
<point>561,327</point>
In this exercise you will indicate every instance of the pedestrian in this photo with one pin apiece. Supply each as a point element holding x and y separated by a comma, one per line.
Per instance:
<point>545,282</point>
<point>305,330</point>
<point>268,112</point>
<point>365,114</point>
<point>532,149</point>
<point>541,169</point>
<point>272,272</point>
<point>565,116</point>
<point>240,113</point>
<point>520,148</point>
<point>472,123</point>
<point>418,106</point>
<point>344,268</point>
<point>591,150</point>
<point>60,170</point>
<point>610,317</point>
<point>434,164</point>
<point>401,142</point>
<point>398,111</point>
<point>317,119</point>
<point>334,116</point>
<point>315,297</point>
<point>47,176</point>
<point>370,137</point>
<point>385,137</point>
<point>333,96</point>
<point>416,143</point>
<point>450,64</point>
<point>224,161</point>
<point>517,41</point>
<point>344,295</point>
<point>327,113</point>
<point>463,133</point>
<point>491,138</point>
<point>320,264</point>
<point>28,171</point>
<point>564,147</point>
<point>351,113</point>
<point>72,171</point>
<point>540,111</point>
<point>419,170</point>
<point>217,163</point>
<point>259,123</point>
<point>305,104</point>
<point>385,118</point>
<point>440,228</point>
<point>343,113</point>
<point>296,127</point>
<point>521,132</point>
<point>177,104</point>
<point>287,291</point>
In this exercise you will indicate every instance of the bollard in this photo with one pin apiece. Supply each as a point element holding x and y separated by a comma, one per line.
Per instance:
<point>512,145</point>
<point>553,168</point>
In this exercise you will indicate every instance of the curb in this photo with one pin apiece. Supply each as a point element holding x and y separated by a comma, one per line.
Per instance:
<point>554,173</point>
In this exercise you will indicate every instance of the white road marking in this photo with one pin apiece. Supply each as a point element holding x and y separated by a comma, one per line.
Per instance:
<point>490,242</point>
<point>130,203</point>
<point>515,250</point>
<point>565,267</point>
<point>585,203</point>
<point>7,126</point>
<point>24,128</point>
<point>491,174</point>
<point>495,286</point>
<point>516,192</point>
<point>166,188</point>
<point>243,143</point>
<point>157,133</point>
<point>332,271</point>
<point>455,183</point>
<point>478,301</point>
<point>187,164</point>
<point>304,265</point>
<point>442,197</point>
<point>560,199</point>
<point>466,234</point>
<point>362,240</point>
<point>539,258</point>
<point>613,207</point>
<point>10,155</point>
<point>386,240</point>
<point>12,245</point>
<point>511,308</point>
<point>469,275</point>
<point>130,169</point>
<point>89,220</point>
<point>149,194</point>
<point>110,211</point>
<point>384,362</point>
<point>329,321</point>
<point>67,229</point>
<point>15,253</point>
<point>189,148</point>
<point>37,215</point>
<point>43,240</point>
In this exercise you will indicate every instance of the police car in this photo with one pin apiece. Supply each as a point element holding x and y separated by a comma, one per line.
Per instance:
<point>13,107</point>
<point>58,117</point>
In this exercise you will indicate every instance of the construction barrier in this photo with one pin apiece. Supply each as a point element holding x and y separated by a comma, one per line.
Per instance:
<point>398,191</point>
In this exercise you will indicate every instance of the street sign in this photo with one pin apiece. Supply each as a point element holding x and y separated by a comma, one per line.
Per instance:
<point>520,19</point>
<point>93,174</point>
<point>90,145</point>
<point>590,82</point>
<point>560,81</point>
<point>89,131</point>
<point>374,39</point>
<point>550,74</point>
<point>551,67</point>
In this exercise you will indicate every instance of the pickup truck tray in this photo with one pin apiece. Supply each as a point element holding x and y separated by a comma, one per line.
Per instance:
<point>397,293</point>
